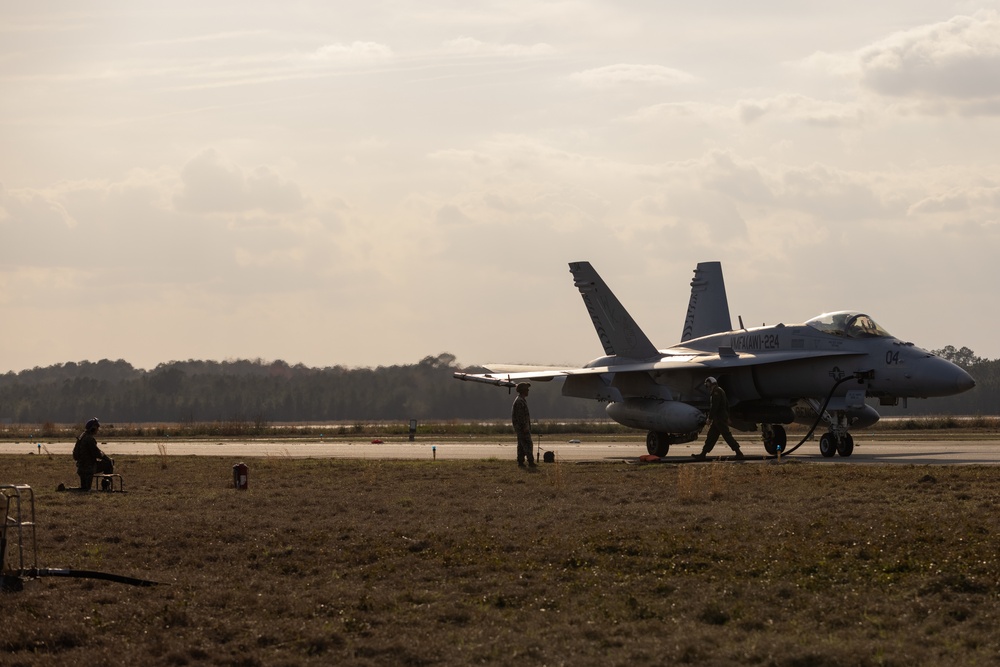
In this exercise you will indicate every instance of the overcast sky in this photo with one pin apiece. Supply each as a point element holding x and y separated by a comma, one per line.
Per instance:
<point>367,184</point>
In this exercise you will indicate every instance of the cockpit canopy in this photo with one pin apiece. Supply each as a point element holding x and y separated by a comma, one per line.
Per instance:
<point>848,324</point>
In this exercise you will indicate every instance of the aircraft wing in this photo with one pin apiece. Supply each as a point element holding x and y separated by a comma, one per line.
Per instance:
<point>737,360</point>
<point>500,376</point>
<point>511,379</point>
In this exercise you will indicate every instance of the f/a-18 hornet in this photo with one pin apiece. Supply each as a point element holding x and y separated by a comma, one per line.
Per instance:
<point>821,370</point>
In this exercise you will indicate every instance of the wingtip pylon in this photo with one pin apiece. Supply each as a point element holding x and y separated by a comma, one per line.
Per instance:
<point>485,379</point>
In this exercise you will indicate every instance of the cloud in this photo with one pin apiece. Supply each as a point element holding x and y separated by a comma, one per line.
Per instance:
<point>782,108</point>
<point>959,200</point>
<point>723,198</point>
<point>450,215</point>
<point>125,239</point>
<point>934,69</point>
<point>698,215</point>
<point>360,53</point>
<point>832,195</point>
<point>957,61</point>
<point>210,185</point>
<point>624,74</point>
<point>702,111</point>
<point>802,109</point>
<point>34,209</point>
<point>737,179</point>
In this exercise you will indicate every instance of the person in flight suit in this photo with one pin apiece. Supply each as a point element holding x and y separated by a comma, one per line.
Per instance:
<point>521,420</point>
<point>718,421</point>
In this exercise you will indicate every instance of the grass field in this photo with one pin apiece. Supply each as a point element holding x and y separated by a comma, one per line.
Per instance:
<point>342,562</point>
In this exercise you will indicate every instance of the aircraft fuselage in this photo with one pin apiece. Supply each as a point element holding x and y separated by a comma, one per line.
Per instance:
<point>823,369</point>
<point>895,369</point>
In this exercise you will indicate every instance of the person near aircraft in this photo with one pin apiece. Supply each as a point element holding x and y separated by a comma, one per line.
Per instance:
<point>89,457</point>
<point>718,421</point>
<point>521,420</point>
<point>775,375</point>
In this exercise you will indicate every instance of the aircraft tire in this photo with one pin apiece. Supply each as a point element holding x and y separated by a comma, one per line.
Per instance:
<point>774,438</point>
<point>657,444</point>
<point>846,445</point>
<point>828,445</point>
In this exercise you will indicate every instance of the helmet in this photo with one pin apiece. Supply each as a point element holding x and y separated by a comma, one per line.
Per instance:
<point>92,424</point>
<point>711,381</point>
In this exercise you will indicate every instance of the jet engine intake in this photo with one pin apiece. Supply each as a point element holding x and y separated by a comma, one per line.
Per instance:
<point>651,414</point>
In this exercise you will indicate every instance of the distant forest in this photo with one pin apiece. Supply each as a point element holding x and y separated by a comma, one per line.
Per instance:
<point>265,392</point>
<point>270,392</point>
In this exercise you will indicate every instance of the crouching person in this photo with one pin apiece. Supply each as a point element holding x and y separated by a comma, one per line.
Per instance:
<point>90,460</point>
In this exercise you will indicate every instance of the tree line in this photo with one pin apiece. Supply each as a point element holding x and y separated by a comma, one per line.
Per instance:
<point>259,391</point>
<point>267,392</point>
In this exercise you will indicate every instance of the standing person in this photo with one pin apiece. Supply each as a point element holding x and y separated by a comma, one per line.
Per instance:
<point>718,420</point>
<point>522,426</point>
<point>89,457</point>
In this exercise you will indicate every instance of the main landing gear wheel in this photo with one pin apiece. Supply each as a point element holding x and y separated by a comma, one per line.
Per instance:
<point>846,445</point>
<point>774,437</point>
<point>828,445</point>
<point>657,443</point>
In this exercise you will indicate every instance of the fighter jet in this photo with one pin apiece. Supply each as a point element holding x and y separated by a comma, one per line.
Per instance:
<point>822,370</point>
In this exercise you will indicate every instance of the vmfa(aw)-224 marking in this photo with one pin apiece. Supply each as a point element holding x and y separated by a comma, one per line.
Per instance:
<point>756,342</point>
<point>825,369</point>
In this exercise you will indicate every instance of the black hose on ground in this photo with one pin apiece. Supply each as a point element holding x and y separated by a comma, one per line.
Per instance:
<point>819,415</point>
<point>88,574</point>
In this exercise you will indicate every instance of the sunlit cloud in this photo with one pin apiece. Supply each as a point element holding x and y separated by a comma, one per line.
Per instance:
<point>948,67</point>
<point>626,74</point>
<point>957,59</point>
<point>354,53</point>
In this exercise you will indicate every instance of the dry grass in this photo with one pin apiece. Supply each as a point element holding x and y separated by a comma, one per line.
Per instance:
<point>477,562</point>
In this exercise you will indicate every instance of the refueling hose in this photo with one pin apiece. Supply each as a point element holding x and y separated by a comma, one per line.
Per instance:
<point>88,574</point>
<point>819,415</point>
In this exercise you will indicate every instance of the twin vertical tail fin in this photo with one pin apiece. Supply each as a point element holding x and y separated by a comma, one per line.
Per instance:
<point>708,308</point>
<point>707,312</point>
<point>619,333</point>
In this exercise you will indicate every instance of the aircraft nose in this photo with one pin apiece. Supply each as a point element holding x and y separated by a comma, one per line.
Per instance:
<point>939,377</point>
<point>965,381</point>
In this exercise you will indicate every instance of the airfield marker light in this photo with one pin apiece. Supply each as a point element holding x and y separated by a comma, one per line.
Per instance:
<point>434,452</point>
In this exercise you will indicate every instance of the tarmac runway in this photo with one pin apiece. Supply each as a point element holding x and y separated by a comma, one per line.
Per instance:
<point>979,451</point>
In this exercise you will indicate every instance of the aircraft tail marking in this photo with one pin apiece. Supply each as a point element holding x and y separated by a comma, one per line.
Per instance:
<point>708,307</point>
<point>619,333</point>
